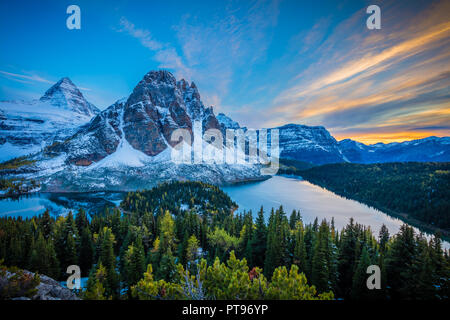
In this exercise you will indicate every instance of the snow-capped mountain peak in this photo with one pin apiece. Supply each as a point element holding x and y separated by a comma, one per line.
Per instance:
<point>226,122</point>
<point>65,94</point>
<point>28,126</point>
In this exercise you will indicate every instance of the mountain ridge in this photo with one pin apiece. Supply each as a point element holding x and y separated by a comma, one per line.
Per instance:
<point>128,145</point>
<point>28,126</point>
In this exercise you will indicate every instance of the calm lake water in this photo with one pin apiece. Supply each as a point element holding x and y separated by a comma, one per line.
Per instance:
<point>292,193</point>
<point>312,201</point>
<point>58,203</point>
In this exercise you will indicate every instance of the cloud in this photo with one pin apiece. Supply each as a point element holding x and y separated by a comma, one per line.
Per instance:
<point>216,52</point>
<point>144,36</point>
<point>23,77</point>
<point>380,79</point>
<point>30,79</point>
<point>164,53</point>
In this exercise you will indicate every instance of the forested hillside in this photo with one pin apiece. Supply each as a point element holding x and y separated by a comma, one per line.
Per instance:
<point>161,245</point>
<point>419,190</point>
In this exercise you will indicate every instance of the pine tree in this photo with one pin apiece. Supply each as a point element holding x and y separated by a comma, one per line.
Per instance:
<point>347,258</point>
<point>108,260</point>
<point>81,220</point>
<point>134,263</point>
<point>86,252</point>
<point>299,256</point>
<point>167,233</point>
<point>399,260</point>
<point>246,236</point>
<point>47,225</point>
<point>259,240</point>
<point>383,238</point>
<point>43,258</point>
<point>182,247</point>
<point>192,248</point>
<point>359,286</point>
<point>321,273</point>
<point>96,284</point>
<point>277,241</point>
<point>66,238</point>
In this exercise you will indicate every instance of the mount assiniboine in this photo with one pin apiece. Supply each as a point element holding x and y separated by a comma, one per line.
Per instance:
<point>128,145</point>
<point>28,126</point>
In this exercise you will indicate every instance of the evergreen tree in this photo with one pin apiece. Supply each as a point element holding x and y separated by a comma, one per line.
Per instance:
<point>191,249</point>
<point>399,260</point>
<point>383,238</point>
<point>108,260</point>
<point>277,242</point>
<point>347,258</point>
<point>43,258</point>
<point>96,284</point>
<point>300,256</point>
<point>321,273</point>
<point>359,286</point>
<point>81,220</point>
<point>259,240</point>
<point>134,263</point>
<point>86,252</point>
<point>47,225</point>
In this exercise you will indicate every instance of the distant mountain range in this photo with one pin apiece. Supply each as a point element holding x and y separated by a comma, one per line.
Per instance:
<point>127,146</point>
<point>421,150</point>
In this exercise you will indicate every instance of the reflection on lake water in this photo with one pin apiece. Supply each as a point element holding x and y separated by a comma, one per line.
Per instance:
<point>31,205</point>
<point>292,193</point>
<point>312,201</point>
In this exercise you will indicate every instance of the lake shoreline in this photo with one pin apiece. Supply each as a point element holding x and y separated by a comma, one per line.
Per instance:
<point>422,226</point>
<point>266,192</point>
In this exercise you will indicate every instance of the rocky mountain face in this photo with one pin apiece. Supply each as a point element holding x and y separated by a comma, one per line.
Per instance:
<point>309,144</point>
<point>65,94</point>
<point>227,123</point>
<point>428,149</point>
<point>299,142</point>
<point>128,145</point>
<point>28,126</point>
<point>144,121</point>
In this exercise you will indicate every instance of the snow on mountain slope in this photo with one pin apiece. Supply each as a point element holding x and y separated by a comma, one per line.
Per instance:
<point>226,122</point>
<point>65,95</point>
<point>427,149</point>
<point>28,126</point>
<point>128,145</point>
<point>310,144</point>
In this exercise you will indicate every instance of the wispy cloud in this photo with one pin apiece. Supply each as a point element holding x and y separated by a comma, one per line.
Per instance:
<point>144,36</point>
<point>215,52</point>
<point>23,77</point>
<point>164,53</point>
<point>31,78</point>
<point>387,80</point>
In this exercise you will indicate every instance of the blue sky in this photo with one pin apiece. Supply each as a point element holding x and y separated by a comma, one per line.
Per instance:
<point>264,63</point>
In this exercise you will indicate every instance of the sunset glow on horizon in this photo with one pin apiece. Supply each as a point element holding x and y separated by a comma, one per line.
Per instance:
<point>264,63</point>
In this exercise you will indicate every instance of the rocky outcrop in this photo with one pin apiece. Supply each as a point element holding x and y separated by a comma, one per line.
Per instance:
<point>47,289</point>
<point>50,289</point>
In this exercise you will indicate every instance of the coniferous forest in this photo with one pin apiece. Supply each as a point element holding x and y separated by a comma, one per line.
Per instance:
<point>185,240</point>
<point>418,192</point>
